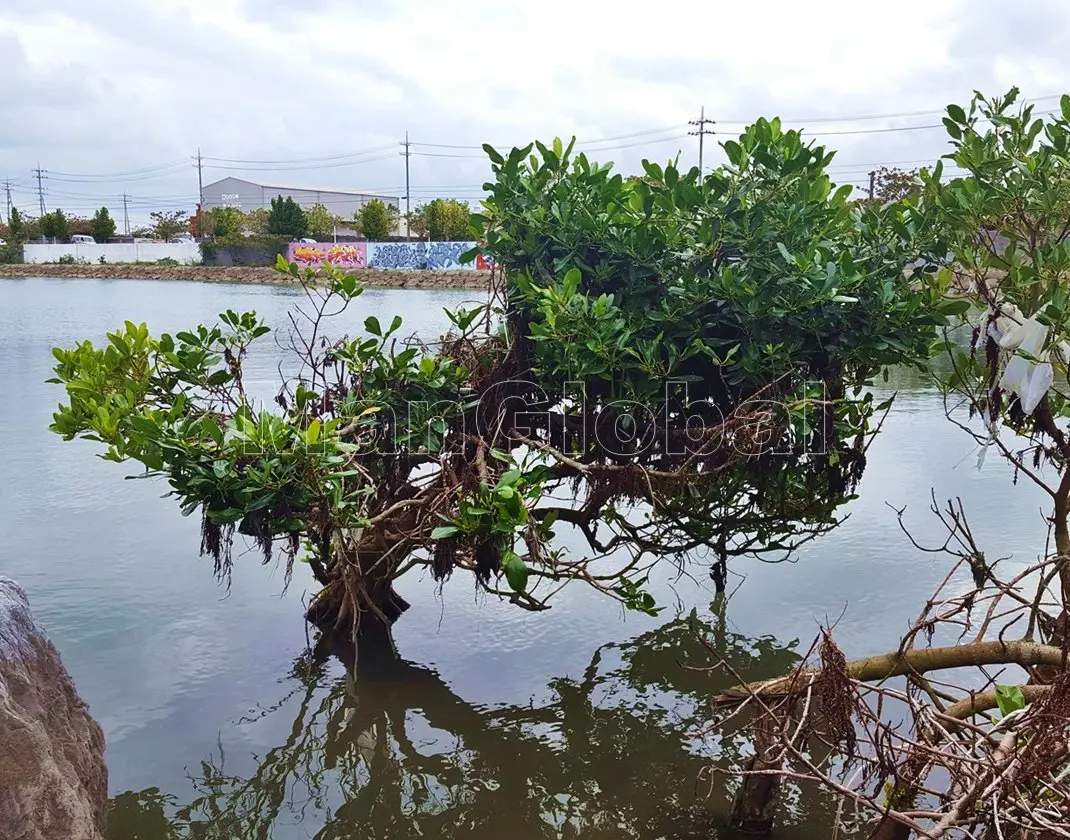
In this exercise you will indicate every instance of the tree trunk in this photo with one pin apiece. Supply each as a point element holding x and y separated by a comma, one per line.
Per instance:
<point>902,796</point>
<point>360,597</point>
<point>754,808</point>
<point>889,829</point>
<point>755,805</point>
<point>380,606</point>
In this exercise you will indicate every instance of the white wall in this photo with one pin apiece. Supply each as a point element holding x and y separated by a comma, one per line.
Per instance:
<point>149,252</point>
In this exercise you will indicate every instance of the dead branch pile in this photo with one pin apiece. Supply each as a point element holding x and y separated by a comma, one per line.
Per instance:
<point>968,739</point>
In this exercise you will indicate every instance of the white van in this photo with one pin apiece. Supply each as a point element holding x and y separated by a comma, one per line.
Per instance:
<point>82,239</point>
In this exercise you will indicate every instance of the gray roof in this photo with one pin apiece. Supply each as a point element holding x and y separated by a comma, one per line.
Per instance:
<point>300,188</point>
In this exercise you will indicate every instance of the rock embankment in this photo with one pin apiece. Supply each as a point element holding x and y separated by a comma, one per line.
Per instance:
<point>53,781</point>
<point>381,278</point>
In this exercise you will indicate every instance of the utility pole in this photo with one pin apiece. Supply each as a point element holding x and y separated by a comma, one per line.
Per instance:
<point>408,209</point>
<point>7,188</point>
<point>872,184</point>
<point>40,192</point>
<point>701,122</point>
<point>126,217</point>
<point>200,180</point>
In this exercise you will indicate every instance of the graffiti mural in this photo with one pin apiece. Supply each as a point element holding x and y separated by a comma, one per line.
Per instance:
<point>437,256</point>
<point>341,255</point>
<point>397,255</point>
<point>446,255</point>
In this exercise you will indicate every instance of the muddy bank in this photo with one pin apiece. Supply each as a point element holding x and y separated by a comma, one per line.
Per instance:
<point>380,278</point>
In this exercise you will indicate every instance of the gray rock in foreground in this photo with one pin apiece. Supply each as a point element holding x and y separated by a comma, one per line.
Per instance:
<point>53,781</point>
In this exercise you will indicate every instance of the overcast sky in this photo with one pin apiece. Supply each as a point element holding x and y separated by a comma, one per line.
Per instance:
<point>98,89</point>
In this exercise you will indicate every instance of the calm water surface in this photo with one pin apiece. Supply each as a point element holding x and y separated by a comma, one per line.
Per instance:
<point>579,722</point>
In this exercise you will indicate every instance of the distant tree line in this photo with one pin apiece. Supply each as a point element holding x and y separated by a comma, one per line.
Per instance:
<point>441,220</point>
<point>286,218</point>
<point>57,225</point>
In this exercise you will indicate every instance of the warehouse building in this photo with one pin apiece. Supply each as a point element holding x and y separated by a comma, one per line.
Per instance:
<point>247,195</point>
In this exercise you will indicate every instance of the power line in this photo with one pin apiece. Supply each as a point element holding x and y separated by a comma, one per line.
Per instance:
<point>663,130</point>
<point>878,164</point>
<point>362,155</point>
<point>447,145</point>
<point>880,130</point>
<point>647,137</point>
<point>134,172</point>
<point>893,129</point>
<point>449,155</point>
<point>701,123</point>
<point>862,117</point>
<point>610,148</point>
<point>40,191</point>
<point>122,179</point>
<point>634,134</point>
<point>617,146</point>
<point>50,193</point>
<point>289,168</point>
<point>408,209</point>
<point>628,136</point>
<point>15,180</point>
<point>321,158</point>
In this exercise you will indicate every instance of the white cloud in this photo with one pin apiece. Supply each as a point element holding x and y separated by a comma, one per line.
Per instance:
<point>97,86</point>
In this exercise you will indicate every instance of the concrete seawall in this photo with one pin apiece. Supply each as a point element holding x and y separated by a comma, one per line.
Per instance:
<point>380,278</point>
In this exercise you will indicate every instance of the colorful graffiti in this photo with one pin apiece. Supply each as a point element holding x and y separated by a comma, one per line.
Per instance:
<point>341,255</point>
<point>436,256</point>
<point>446,255</point>
<point>397,255</point>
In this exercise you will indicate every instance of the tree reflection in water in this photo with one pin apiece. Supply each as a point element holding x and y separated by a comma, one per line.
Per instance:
<point>395,753</point>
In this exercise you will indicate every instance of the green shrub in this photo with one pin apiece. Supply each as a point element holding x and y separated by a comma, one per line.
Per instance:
<point>11,253</point>
<point>245,250</point>
<point>66,259</point>
<point>16,227</point>
<point>222,221</point>
<point>321,223</point>
<point>55,225</point>
<point>376,221</point>
<point>209,250</point>
<point>168,261</point>
<point>103,225</point>
<point>287,219</point>
<point>447,220</point>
